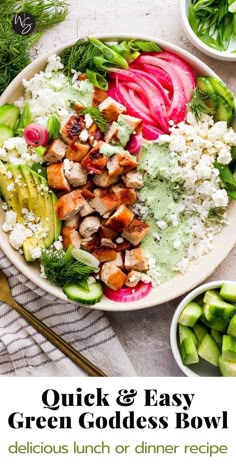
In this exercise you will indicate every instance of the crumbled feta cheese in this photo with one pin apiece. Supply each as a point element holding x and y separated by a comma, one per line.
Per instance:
<point>67,164</point>
<point>58,245</point>
<point>162,224</point>
<point>88,120</point>
<point>10,187</point>
<point>18,235</point>
<point>176,244</point>
<point>54,64</point>
<point>220,198</point>
<point>4,206</point>
<point>84,135</point>
<point>224,156</point>
<point>119,240</point>
<point>36,253</point>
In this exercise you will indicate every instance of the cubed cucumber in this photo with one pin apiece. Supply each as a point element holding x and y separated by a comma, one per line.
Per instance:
<point>209,350</point>
<point>217,307</point>
<point>186,332</point>
<point>222,90</point>
<point>232,327</point>
<point>200,331</point>
<point>217,324</point>
<point>190,314</point>
<point>204,84</point>
<point>227,369</point>
<point>5,133</point>
<point>9,115</point>
<point>217,337</point>
<point>228,291</point>
<point>224,111</point>
<point>229,348</point>
<point>79,294</point>
<point>188,352</point>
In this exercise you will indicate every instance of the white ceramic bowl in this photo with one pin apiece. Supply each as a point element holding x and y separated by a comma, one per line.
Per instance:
<point>197,270</point>
<point>221,55</point>
<point>202,368</point>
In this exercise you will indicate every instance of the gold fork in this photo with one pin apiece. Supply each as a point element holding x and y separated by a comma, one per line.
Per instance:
<point>48,333</point>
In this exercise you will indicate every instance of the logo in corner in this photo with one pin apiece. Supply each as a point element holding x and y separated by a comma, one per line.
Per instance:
<point>23,23</point>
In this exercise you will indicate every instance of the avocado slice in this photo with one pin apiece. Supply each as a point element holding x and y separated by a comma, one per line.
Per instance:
<point>10,197</point>
<point>21,186</point>
<point>29,181</point>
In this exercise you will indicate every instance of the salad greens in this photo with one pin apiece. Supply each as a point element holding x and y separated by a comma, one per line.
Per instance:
<point>214,22</point>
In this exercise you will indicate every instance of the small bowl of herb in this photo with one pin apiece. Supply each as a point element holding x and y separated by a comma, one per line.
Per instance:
<point>210,25</point>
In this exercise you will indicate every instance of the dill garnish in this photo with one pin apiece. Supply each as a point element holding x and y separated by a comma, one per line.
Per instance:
<point>61,269</point>
<point>14,48</point>
<point>198,105</point>
<point>97,116</point>
<point>79,56</point>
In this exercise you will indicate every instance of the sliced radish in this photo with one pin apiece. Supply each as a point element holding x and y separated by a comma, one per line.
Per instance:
<point>135,143</point>
<point>127,294</point>
<point>36,135</point>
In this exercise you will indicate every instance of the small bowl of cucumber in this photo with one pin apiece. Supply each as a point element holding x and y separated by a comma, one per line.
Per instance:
<point>203,331</point>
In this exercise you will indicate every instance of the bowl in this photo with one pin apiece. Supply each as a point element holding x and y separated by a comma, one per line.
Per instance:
<point>221,55</point>
<point>197,271</point>
<point>202,368</point>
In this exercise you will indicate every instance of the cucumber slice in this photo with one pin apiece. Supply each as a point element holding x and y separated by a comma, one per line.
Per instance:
<point>228,291</point>
<point>209,350</point>
<point>229,349</point>
<point>227,369</point>
<point>190,314</point>
<point>224,111</point>
<point>86,297</point>
<point>85,257</point>
<point>200,331</point>
<point>217,337</point>
<point>5,133</point>
<point>204,84</point>
<point>222,90</point>
<point>189,352</point>
<point>232,327</point>
<point>9,115</point>
<point>186,332</point>
<point>216,307</point>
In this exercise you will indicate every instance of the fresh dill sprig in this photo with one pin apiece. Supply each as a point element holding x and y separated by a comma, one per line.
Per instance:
<point>60,269</point>
<point>79,56</point>
<point>97,116</point>
<point>198,105</point>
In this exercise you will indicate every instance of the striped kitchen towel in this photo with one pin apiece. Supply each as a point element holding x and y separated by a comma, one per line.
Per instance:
<point>24,352</point>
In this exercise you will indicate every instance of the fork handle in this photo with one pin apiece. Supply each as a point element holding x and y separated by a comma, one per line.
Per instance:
<point>57,341</point>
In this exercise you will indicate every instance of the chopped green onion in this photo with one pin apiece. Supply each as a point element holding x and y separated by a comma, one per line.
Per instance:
<point>98,80</point>
<point>53,126</point>
<point>109,53</point>
<point>145,46</point>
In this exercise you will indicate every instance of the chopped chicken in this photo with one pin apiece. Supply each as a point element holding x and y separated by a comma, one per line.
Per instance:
<point>111,109</point>
<point>119,262</point>
<point>89,226</point>
<point>112,133</point>
<point>126,195</point>
<point>77,151</point>
<point>87,209</point>
<point>104,254</point>
<point>90,244</point>
<point>133,179</point>
<point>55,151</point>
<point>128,162</point>
<point>135,231</point>
<point>114,167</point>
<point>70,236</point>
<point>72,129</point>
<point>95,134</point>
<point>95,162</point>
<point>123,246</point>
<point>133,278</point>
<point>72,222</point>
<point>105,180</point>
<point>135,260</point>
<point>120,219</point>
<point>68,205</point>
<point>107,242</point>
<point>121,163</point>
<point>136,124</point>
<point>56,177</point>
<point>112,276</point>
<point>104,201</point>
<point>99,96</point>
<point>106,232</point>
<point>75,173</point>
<point>87,193</point>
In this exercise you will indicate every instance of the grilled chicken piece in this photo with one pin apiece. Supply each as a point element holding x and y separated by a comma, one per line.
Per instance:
<point>95,134</point>
<point>86,210</point>
<point>119,260</point>
<point>104,254</point>
<point>112,276</point>
<point>75,173</point>
<point>70,236</point>
<point>72,129</point>
<point>106,232</point>
<point>87,193</point>
<point>136,124</point>
<point>114,167</point>
<point>55,151</point>
<point>126,195</point>
<point>91,243</point>
<point>120,164</point>
<point>112,133</point>
<point>123,246</point>
<point>72,222</point>
<point>133,179</point>
<point>104,201</point>
<point>95,162</point>
<point>133,278</point>
<point>128,163</point>
<point>89,226</point>
<point>99,96</point>
<point>135,260</point>
<point>105,180</point>
<point>107,242</point>
<point>111,109</point>
<point>120,219</point>
<point>56,177</point>
<point>135,231</point>
<point>77,151</point>
<point>68,205</point>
